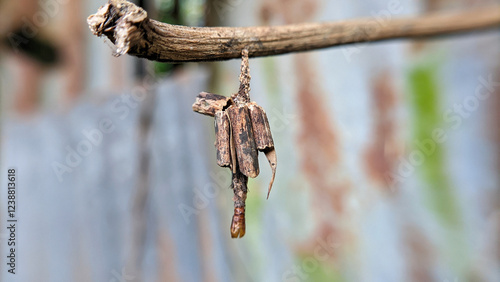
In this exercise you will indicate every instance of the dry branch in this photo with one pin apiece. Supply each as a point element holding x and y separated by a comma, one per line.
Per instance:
<point>129,28</point>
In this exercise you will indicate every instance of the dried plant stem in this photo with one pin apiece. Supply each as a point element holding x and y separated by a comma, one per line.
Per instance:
<point>240,195</point>
<point>134,33</point>
<point>244,91</point>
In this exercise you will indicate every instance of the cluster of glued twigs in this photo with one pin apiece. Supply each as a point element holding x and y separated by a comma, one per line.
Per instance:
<point>241,130</point>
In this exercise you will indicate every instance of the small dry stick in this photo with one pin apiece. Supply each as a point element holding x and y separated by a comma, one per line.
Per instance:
<point>240,195</point>
<point>130,29</point>
<point>244,91</point>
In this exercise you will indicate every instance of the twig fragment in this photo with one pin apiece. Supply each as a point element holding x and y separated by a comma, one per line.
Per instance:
<point>208,103</point>
<point>240,189</point>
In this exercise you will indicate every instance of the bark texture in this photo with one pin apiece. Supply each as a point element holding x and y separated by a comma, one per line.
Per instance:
<point>208,103</point>
<point>244,142</point>
<point>133,33</point>
<point>263,137</point>
<point>240,195</point>
<point>260,126</point>
<point>222,139</point>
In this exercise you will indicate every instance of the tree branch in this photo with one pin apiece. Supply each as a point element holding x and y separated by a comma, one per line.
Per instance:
<point>129,28</point>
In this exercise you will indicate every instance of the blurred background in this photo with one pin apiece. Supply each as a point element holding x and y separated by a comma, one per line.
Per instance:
<point>388,153</point>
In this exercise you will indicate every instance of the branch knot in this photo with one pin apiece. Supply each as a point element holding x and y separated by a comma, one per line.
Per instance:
<point>121,22</point>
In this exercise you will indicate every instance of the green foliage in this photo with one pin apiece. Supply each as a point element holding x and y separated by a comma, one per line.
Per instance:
<point>427,117</point>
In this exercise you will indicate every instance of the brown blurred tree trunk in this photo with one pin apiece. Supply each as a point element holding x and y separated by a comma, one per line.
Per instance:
<point>73,48</point>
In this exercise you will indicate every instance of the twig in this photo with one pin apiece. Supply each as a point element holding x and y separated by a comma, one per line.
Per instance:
<point>240,189</point>
<point>128,26</point>
<point>243,94</point>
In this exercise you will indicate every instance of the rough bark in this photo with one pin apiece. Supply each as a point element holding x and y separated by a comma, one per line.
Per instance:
<point>208,103</point>
<point>240,195</point>
<point>222,139</point>
<point>129,27</point>
<point>260,126</point>
<point>263,137</point>
<point>244,142</point>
